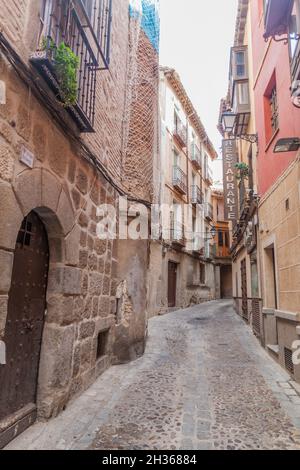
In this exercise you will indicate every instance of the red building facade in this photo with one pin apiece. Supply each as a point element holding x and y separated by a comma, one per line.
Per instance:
<point>276,116</point>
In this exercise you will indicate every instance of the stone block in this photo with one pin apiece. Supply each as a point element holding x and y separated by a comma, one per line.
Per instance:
<point>10,215</point>
<point>65,280</point>
<point>65,213</point>
<point>83,258</point>
<point>39,140</point>
<point>86,329</point>
<point>96,281</point>
<point>106,285</point>
<point>51,189</point>
<point>104,307</point>
<point>6,263</point>
<point>23,124</point>
<point>56,357</point>
<point>72,246</point>
<point>28,188</point>
<point>86,353</point>
<point>60,310</point>
<point>58,152</point>
<point>7,159</point>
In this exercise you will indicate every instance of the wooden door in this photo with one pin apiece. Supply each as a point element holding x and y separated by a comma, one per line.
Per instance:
<point>172,283</point>
<point>24,326</point>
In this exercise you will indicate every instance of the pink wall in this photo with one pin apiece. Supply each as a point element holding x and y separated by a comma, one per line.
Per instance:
<point>275,63</point>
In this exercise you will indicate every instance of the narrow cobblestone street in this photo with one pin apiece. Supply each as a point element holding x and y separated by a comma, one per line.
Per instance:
<point>203,383</point>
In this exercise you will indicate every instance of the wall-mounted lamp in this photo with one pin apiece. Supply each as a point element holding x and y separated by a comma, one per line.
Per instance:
<point>228,124</point>
<point>291,144</point>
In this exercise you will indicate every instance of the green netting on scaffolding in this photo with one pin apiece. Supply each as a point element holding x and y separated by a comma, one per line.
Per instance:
<point>147,12</point>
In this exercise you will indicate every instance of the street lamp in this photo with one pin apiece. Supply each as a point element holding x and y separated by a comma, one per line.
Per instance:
<point>228,123</point>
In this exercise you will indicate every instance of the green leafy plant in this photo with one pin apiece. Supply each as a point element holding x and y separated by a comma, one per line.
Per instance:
<point>66,64</point>
<point>242,171</point>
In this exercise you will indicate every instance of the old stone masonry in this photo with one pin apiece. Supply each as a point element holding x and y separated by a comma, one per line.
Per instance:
<point>202,384</point>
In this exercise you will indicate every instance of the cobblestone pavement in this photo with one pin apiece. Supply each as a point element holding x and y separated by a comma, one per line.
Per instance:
<point>203,383</point>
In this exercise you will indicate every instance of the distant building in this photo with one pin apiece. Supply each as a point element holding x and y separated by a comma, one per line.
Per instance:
<point>182,264</point>
<point>223,263</point>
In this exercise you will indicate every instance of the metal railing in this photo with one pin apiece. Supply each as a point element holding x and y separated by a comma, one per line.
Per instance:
<point>208,210</point>
<point>196,156</point>
<point>180,131</point>
<point>177,234</point>
<point>179,179</point>
<point>85,28</point>
<point>196,195</point>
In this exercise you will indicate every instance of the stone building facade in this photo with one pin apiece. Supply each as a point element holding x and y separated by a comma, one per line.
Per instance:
<point>52,180</point>
<point>182,271</point>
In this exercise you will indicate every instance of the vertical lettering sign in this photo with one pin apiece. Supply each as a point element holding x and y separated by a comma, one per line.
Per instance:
<point>230,159</point>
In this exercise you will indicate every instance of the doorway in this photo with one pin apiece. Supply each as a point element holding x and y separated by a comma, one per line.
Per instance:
<point>24,329</point>
<point>172,283</point>
<point>270,278</point>
<point>244,290</point>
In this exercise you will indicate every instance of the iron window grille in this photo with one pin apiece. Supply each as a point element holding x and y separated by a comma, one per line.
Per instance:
<point>274,110</point>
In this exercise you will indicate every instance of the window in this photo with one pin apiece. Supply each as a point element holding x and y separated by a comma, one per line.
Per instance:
<point>227,239</point>
<point>220,238</point>
<point>239,59</point>
<point>240,64</point>
<point>274,110</point>
<point>176,158</point>
<point>271,109</point>
<point>102,341</point>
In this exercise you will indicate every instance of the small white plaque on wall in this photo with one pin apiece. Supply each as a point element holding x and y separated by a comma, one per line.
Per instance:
<point>27,157</point>
<point>2,92</point>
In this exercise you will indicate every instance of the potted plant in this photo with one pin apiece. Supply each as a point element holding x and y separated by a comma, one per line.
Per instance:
<point>242,171</point>
<point>65,64</point>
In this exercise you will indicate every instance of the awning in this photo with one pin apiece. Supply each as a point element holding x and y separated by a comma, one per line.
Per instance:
<point>277,17</point>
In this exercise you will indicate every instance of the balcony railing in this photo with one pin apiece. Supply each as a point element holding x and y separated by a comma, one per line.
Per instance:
<point>198,243</point>
<point>209,251</point>
<point>222,251</point>
<point>179,180</point>
<point>177,235</point>
<point>180,132</point>
<point>196,156</point>
<point>84,27</point>
<point>196,195</point>
<point>208,211</point>
<point>208,174</point>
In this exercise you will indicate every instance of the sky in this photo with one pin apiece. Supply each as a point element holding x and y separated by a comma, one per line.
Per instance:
<point>196,36</point>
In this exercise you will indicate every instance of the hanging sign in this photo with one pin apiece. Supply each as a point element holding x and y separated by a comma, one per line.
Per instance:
<point>230,159</point>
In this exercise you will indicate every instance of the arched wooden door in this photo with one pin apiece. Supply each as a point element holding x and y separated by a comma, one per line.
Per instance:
<point>24,329</point>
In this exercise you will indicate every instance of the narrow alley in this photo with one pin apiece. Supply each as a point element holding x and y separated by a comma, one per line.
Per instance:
<point>203,383</point>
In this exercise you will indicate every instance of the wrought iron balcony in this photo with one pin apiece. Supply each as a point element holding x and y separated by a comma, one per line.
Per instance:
<point>209,251</point>
<point>177,234</point>
<point>179,180</point>
<point>180,132</point>
<point>84,28</point>
<point>198,244</point>
<point>196,156</point>
<point>196,195</point>
<point>208,211</point>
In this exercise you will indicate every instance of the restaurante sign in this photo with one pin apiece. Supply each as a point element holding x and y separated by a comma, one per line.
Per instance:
<point>230,159</point>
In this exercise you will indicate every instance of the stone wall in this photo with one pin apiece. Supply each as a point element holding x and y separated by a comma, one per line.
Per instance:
<point>94,285</point>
